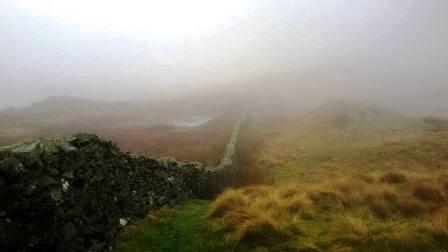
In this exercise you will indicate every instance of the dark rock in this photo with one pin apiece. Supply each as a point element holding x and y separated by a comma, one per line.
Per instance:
<point>69,232</point>
<point>68,174</point>
<point>46,181</point>
<point>69,193</point>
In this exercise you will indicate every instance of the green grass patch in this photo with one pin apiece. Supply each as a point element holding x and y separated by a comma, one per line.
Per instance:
<point>177,229</point>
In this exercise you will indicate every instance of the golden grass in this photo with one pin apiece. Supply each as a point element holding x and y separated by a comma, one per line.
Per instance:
<point>229,200</point>
<point>334,188</point>
<point>331,214</point>
<point>256,214</point>
<point>428,193</point>
<point>393,177</point>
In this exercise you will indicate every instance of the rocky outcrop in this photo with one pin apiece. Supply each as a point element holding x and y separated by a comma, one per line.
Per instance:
<point>74,193</point>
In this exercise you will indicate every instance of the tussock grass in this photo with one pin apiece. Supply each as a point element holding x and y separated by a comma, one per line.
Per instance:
<point>260,214</point>
<point>348,211</point>
<point>333,189</point>
<point>393,177</point>
<point>428,193</point>
<point>229,200</point>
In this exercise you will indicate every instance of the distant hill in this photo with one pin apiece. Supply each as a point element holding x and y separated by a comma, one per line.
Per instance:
<point>343,113</point>
<point>64,110</point>
<point>80,113</point>
<point>438,124</point>
<point>68,115</point>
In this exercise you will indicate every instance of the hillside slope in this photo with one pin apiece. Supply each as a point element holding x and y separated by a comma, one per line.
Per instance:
<point>333,185</point>
<point>339,174</point>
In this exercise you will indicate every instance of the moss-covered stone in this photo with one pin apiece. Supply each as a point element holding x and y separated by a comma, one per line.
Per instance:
<point>74,193</point>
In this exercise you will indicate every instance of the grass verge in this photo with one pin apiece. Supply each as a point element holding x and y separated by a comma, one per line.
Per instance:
<point>178,229</point>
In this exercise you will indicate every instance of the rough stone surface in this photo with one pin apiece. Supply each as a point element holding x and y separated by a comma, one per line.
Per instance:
<point>74,193</point>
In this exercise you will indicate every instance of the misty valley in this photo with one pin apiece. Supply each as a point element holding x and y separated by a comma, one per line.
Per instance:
<point>339,176</point>
<point>223,126</point>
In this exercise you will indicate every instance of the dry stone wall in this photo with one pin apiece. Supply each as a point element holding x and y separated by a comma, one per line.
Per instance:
<point>74,193</point>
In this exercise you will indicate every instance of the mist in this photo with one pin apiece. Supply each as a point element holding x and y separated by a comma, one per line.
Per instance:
<point>223,125</point>
<point>388,52</point>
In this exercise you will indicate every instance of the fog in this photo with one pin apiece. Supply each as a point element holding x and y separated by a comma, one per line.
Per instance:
<point>385,51</point>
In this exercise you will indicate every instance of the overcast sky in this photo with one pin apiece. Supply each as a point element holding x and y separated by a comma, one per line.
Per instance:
<point>383,50</point>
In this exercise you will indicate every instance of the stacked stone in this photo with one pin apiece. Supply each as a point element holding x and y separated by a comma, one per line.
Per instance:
<point>74,193</point>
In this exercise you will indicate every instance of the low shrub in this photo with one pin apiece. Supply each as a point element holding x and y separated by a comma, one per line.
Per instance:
<point>428,193</point>
<point>393,178</point>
